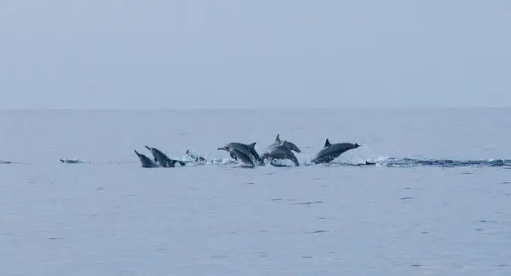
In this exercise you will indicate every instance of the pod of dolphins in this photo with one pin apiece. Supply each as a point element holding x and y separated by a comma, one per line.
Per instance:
<point>247,155</point>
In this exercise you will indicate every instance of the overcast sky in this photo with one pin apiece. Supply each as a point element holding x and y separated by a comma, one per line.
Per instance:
<point>278,53</point>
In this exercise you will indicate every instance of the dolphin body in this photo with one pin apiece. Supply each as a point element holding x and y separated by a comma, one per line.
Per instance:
<point>239,153</point>
<point>146,161</point>
<point>280,152</point>
<point>163,160</point>
<point>242,151</point>
<point>285,143</point>
<point>332,151</point>
<point>71,161</point>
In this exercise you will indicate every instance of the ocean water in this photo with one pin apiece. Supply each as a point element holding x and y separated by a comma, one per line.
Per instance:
<point>437,202</point>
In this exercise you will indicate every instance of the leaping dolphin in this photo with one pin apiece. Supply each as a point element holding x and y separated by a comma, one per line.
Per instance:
<point>280,152</point>
<point>245,149</point>
<point>287,144</point>
<point>163,160</point>
<point>332,151</point>
<point>239,153</point>
<point>146,161</point>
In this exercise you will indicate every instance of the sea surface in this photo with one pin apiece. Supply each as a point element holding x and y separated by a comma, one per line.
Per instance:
<point>437,202</point>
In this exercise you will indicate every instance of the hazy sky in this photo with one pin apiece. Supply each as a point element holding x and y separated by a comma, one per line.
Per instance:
<point>278,53</point>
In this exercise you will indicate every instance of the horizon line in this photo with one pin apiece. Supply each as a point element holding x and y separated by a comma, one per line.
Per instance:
<point>256,108</point>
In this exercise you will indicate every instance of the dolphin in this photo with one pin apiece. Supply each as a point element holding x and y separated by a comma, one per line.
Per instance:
<point>278,142</point>
<point>71,161</point>
<point>162,159</point>
<point>146,161</point>
<point>332,151</point>
<point>239,153</point>
<point>250,149</point>
<point>280,152</point>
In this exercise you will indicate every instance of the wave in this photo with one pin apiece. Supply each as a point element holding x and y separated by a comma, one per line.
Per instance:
<point>391,162</point>
<point>396,162</point>
<point>445,163</point>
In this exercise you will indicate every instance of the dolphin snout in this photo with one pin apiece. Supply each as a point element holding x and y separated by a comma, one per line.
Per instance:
<point>223,148</point>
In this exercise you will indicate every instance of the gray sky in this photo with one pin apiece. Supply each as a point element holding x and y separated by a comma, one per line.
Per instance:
<point>285,53</point>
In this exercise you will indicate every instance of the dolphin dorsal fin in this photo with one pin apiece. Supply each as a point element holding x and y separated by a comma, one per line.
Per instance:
<point>277,139</point>
<point>252,145</point>
<point>327,143</point>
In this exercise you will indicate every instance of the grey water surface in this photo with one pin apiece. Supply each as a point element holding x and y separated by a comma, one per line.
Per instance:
<point>438,200</point>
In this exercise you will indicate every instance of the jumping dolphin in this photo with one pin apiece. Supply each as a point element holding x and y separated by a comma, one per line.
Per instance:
<point>163,160</point>
<point>250,149</point>
<point>278,142</point>
<point>239,153</point>
<point>280,152</point>
<point>332,151</point>
<point>146,161</point>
